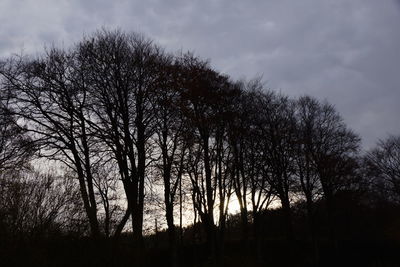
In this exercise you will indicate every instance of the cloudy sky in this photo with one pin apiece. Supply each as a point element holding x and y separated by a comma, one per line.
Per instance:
<point>345,51</point>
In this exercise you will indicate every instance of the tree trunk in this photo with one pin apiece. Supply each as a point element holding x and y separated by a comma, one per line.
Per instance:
<point>287,218</point>
<point>257,237</point>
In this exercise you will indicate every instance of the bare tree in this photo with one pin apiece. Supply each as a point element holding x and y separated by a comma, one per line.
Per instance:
<point>252,187</point>
<point>16,147</point>
<point>106,182</point>
<point>121,72</point>
<point>332,152</point>
<point>169,141</point>
<point>46,97</point>
<point>336,145</point>
<point>246,141</point>
<point>276,131</point>
<point>206,98</point>
<point>33,205</point>
<point>308,112</point>
<point>383,163</point>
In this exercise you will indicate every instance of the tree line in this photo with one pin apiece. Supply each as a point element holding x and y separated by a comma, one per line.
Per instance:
<point>117,114</point>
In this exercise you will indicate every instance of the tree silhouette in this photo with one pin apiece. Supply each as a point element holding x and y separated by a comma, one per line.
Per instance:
<point>134,130</point>
<point>384,163</point>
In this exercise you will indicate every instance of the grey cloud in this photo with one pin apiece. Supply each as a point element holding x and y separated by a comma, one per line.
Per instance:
<point>343,51</point>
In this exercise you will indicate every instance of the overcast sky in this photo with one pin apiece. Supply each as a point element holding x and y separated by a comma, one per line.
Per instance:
<point>345,51</point>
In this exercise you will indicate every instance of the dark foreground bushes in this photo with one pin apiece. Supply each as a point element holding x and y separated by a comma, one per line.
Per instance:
<point>68,252</point>
<point>363,237</point>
